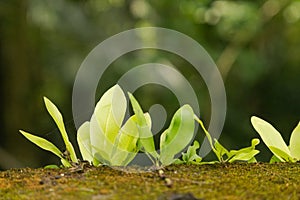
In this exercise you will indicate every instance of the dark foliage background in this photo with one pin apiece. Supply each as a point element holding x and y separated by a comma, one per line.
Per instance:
<point>255,44</point>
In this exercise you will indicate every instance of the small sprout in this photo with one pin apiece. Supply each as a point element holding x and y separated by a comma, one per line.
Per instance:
<point>104,140</point>
<point>172,141</point>
<point>223,155</point>
<point>272,138</point>
<point>46,145</point>
<point>191,156</point>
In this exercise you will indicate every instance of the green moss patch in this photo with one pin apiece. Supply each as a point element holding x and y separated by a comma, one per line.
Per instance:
<point>217,181</point>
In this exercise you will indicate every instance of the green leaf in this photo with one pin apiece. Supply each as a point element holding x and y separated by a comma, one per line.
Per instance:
<point>106,122</point>
<point>99,143</point>
<point>145,134</point>
<point>110,112</point>
<point>220,151</point>
<point>275,159</point>
<point>295,142</point>
<point>283,156</point>
<point>178,135</point>
<point>207,134</point>
<point>270,136</point>
<point>244,154</point>
<point>191,155</point>
<point>126,143</point>
<point>84,142</point>
<point>51,167</point>
<point>46,145</point>
<point>57,117</point>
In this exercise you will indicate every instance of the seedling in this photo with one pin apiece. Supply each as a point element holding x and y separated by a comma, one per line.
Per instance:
<point>223,155</point>
<point>172,141</point>
<point>191,156</point>
<point>46,145</point>
<point>104,140</point>
<point>272,138</point>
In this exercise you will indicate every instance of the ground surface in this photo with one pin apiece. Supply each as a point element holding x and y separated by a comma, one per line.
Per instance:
<point>218,181</point>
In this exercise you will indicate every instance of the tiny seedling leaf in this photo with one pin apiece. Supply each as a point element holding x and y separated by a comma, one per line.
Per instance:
<point>84,141</point>
<point>207,135</point>
<point>270,136</point>
<point>191,155</point>
<point>179,134</point>
<point>46,145</point>
<point>57,117</point>
<point>221,151</point>
<point>145,134</point>
<point>244,154</point>
<point>295,142</point>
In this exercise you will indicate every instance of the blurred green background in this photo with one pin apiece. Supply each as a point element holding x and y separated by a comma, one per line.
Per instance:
<point>255,44</point>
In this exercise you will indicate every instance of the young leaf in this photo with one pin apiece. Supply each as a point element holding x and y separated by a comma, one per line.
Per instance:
<point>145,134</point>
<point>106,122</point>
<point>191,155</point>
<point>270,136</point>
<point>207,135</point>
<point>84,141</point>
<point>275,159</point>
<point>100,145</point>
<point>51,167</point>
<point>126,143</point>
<point>178,135</point>
<point>244,154</point>
<point>46,145</point>
<point>110,112</point>
<point>57,117</point>
<point>295,142</point>
<point>220,151</point>
<point>283,156</point>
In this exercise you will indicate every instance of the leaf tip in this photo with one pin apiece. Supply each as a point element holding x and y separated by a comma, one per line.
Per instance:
<point>45,99</point>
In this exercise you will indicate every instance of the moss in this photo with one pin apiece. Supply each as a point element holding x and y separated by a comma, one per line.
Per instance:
<point>218,181</point>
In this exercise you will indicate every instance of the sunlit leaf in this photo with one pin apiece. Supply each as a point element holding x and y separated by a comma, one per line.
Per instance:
<point>179,134</point>
<point>191,155</point>
<point>207,135</point>
<point>295,142</point>
<point>283,156</point>
<point>244,154</point>
<point>110,112</point>
<point>84,142</point>
<point>100,145</point>
<point>106,122</point>
<point>126,144</point>
<point>270,136</point>
<point>46,145</point>
<point>220,150</point>
<point>57,117</point>
<point>145,134</point>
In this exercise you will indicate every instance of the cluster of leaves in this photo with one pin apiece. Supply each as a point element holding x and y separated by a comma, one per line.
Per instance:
<point>273,140</point>
<point>223,155</point>
<point>105,140</point>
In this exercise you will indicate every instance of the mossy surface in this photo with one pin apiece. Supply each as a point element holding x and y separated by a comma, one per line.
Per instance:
<point>217,181</point>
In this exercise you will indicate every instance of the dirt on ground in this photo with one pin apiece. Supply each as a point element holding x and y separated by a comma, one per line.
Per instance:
<point>175,182</point>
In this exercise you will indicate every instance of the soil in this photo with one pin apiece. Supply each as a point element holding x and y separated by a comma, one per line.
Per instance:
<point>176,182</point>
